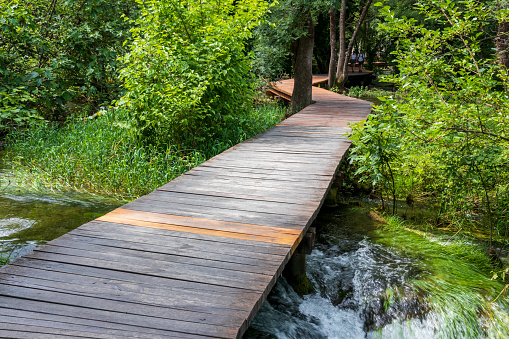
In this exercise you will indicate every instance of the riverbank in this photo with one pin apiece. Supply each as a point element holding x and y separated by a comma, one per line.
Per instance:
<point>103,156</point>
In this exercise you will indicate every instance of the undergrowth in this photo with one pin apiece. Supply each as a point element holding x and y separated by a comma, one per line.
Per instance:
<point>103,156</point>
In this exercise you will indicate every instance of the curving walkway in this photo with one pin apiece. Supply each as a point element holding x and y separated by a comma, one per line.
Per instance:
<point>195,258</point>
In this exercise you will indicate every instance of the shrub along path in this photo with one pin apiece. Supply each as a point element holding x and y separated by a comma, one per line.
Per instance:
<point>196,257</point>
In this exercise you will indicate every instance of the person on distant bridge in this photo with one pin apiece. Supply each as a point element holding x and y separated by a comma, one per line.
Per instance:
<point>353,60</point>
<point>360,58</point>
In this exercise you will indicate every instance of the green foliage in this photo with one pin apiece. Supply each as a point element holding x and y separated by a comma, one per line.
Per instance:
<point>186,73</point>
<point>56,52</point>
<point>449,119</point>
<point>14,110</point>
<point>285,22</point>
<point>103,156</point>
<point>365,92</point>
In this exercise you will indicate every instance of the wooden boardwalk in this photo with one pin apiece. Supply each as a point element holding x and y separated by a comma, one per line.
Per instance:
<point>195,258</point>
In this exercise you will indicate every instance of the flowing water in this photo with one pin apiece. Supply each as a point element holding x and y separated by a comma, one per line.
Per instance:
<point>30,219</point>
<point>370,284</point>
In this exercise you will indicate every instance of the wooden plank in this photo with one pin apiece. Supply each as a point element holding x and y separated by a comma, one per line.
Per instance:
<point>68,246</point>
<point>279,235</point>
<point>130,277</point>
<point>231,215</point>
<point>177,241</point>
<point>183,238</point>
<point>235,195</point>
<point>212,276</point>
<point>85,316</point>
<point>227,203</point>
<point>208,251</point>
<point>87,285</point>
<point>110,297</point>
<point>240,173</point>
<point>226,179</point>
<point>250,192</point>
<point>72,330</point>
<point>42,322</point>
<point>157,317</point>
<point>295,176</point>
<point>15,329</point>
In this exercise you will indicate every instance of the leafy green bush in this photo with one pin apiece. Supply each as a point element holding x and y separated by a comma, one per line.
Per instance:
<point>186,73</point>
<point>444,137</point>
<point>53,53</point>
<point>14,110</point>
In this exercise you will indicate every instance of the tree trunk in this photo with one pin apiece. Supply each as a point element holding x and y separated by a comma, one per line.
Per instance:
<point>342,45</point>
<point>342,73</point>
<point>303,68</point>
<point>503,31</point>
<point>333,49</point>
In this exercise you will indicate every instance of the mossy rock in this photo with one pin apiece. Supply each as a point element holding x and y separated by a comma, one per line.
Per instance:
<point>302,286</point>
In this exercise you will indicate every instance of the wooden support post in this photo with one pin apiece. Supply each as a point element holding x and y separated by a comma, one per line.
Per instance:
<point>295,270</point>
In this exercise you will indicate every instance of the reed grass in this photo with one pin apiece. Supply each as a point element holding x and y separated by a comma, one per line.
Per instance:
<point>103,156</point>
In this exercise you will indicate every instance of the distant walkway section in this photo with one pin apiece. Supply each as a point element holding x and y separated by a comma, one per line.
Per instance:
<point>197,257</point>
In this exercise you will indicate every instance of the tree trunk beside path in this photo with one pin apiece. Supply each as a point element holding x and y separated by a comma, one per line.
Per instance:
<point>303,68</point>
<point>342,71</point>
<point>333,49</point>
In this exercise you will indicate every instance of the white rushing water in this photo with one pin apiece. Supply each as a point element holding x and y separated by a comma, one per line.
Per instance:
<point>365,291</point>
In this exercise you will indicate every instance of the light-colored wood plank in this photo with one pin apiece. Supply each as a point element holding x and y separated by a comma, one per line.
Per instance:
<point>283,236</point>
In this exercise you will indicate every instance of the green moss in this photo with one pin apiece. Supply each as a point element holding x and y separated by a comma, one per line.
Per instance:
<point>302,285</point>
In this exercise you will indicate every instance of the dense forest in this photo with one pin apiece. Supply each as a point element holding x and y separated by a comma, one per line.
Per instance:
<point>119,97</point>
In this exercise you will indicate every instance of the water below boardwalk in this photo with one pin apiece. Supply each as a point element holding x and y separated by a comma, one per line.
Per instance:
<point>365,288</point>
<point>30,219</point>
<point>369,283</point>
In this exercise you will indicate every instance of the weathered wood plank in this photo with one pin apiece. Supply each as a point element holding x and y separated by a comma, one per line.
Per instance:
<point>77,327</point>
<point>110,297</point>
<point>178,241</point>
<point>92,249</point>
<point>271,207</point>
<point>182,238</point>
<point>226,214</point>
<point>85,316</point>
<point>74,330</point>
<point>204,251</point>
<point>212,276</point>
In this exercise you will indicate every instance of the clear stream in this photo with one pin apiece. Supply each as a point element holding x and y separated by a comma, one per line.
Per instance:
<point>29,219</point>
<point>369,283</point>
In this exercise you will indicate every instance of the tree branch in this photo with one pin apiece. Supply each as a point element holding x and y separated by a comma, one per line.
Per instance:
<point>458,129</point>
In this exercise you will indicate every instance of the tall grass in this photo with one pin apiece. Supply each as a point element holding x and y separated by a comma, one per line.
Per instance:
<point>103,156</point>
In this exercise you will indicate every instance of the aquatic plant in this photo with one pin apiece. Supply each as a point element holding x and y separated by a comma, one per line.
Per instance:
<point>457,284</point>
